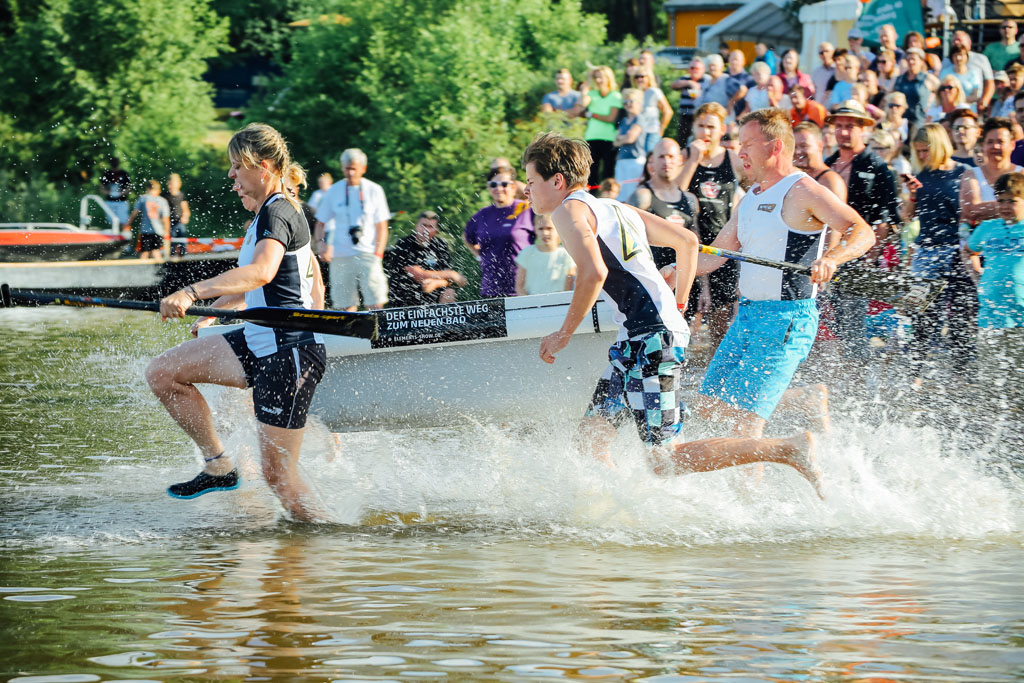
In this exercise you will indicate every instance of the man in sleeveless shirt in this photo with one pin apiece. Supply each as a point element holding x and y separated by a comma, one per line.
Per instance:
<point>663,196</point>
<point>782,217</point>
<point>808,156</point>
<point>611,245</point>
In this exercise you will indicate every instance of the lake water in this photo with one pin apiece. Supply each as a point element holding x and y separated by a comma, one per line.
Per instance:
<point>488,552</point>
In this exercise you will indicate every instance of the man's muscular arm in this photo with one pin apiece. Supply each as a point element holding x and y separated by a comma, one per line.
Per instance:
<point>855,236</point>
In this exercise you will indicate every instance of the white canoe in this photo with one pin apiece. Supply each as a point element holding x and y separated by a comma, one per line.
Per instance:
<point>429,379</point>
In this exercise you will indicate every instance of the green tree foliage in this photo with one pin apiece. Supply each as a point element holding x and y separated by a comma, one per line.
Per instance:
<point>259,28</point>
<point>85,79</point>
<point>642,19</point>
<point>431,90</point>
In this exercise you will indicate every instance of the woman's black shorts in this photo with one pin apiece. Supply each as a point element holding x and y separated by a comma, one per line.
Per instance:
<point>282,383</point>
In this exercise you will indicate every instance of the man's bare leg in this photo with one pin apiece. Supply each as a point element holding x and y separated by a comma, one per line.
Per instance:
<point>595,434</point>
<point>811,401</point>
<point>708,455</point>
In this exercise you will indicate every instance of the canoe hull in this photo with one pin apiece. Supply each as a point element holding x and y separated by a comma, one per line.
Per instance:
<point>451,384</point>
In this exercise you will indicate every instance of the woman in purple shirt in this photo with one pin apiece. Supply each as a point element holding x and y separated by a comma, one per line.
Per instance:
<point>497,233</point>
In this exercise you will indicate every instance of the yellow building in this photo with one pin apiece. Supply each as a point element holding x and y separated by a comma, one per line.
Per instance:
<point>703,24</point>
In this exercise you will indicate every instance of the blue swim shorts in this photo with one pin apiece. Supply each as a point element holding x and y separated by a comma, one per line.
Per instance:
<point>760,353</point>
<point>642,380</point>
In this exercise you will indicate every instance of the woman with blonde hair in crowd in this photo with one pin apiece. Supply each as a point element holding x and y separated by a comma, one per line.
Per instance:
<point>275,268</point>
<point>951,97</point>
<point>758,95</point>
<point>935,195</point>
<point>600,105</point>
<point>656,112</point>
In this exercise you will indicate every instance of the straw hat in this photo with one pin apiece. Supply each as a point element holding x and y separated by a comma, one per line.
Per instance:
<point>851,109</point>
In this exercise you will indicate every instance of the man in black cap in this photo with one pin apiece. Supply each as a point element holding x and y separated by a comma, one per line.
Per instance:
<point>872,193</point>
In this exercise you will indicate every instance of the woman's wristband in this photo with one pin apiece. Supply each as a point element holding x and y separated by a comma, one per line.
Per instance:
<point>191,291</point>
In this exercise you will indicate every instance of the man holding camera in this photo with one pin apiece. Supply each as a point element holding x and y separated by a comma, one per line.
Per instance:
<point>360,212</point>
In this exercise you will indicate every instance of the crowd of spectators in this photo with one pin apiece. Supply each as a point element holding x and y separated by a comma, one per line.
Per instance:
<point>916,143</point>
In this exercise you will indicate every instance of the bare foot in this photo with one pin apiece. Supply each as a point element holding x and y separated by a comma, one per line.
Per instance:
<point>803,460</point>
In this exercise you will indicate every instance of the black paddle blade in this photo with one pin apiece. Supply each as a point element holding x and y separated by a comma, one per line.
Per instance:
<point>907,293</point>
<point>5,296</point>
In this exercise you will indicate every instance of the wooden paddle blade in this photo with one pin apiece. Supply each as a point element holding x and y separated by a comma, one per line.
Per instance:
<point>906,293</point>
<point>344,323</point>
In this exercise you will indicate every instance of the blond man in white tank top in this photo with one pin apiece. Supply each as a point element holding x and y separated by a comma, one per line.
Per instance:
<point>783,217</point>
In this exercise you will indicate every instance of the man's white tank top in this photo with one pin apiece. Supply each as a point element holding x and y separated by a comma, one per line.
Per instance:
<point>642,301</point>
<point>763,232</point>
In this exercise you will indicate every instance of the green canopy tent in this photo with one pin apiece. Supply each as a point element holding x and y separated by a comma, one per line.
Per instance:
<point>905,15</point>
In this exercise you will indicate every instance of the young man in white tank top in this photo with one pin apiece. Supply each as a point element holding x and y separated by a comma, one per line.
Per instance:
<point>611,245</point>
<point>783,217</point>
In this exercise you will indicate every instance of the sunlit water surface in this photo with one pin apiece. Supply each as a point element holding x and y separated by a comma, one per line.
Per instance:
<point>487,552</point>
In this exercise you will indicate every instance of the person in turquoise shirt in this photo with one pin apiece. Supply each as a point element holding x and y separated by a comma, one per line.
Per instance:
<point>1001,295</point>
<point>600,105</point>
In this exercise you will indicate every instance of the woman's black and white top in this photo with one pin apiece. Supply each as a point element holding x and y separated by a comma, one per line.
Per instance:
<point>642,301</point>
<point>292,285</point>
<point>763,232</point>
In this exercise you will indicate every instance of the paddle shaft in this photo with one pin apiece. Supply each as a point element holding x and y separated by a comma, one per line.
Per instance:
<point>903,291</point>
<point>344,323</point>
<point>755,260</point>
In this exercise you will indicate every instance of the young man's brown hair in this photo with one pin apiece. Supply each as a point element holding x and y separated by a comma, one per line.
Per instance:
<point>552,153</point>
<point>1009,185</point>
<point>809,126</point>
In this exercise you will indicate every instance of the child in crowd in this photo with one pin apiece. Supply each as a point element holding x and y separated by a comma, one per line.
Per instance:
<point>544,266</point>
<point>609,188</point>
<point>1001,293</point>
<point>631,157</point>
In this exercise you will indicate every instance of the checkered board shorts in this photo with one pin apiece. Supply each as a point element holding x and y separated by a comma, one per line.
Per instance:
<point>643,379</point>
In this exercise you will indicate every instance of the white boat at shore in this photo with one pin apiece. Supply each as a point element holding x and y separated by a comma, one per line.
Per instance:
<point>471,360</point>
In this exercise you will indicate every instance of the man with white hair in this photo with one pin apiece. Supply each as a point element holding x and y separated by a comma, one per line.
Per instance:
<point>360,212</point>
<point>824,72</point>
